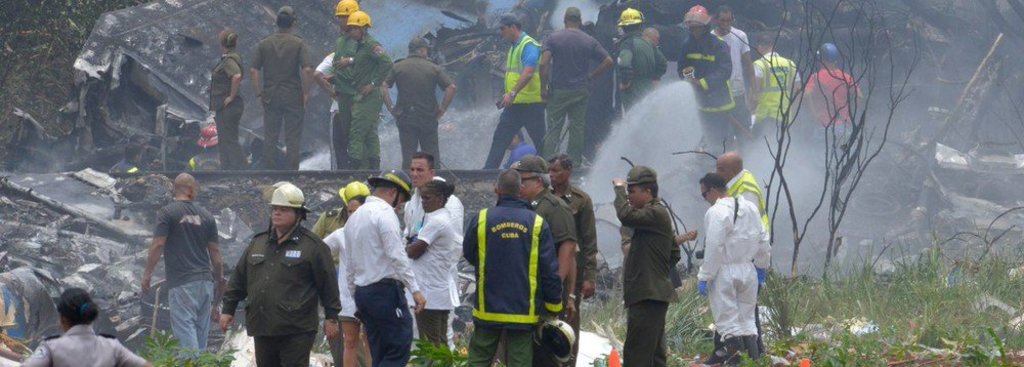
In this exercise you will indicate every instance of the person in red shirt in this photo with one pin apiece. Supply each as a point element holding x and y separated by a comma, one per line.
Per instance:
<point>829,91</point>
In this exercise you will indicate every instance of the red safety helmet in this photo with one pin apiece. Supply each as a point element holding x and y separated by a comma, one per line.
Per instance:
<point>697,15</point>
<point>208,137</point>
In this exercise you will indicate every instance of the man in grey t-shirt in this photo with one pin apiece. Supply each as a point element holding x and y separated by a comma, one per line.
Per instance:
<point>569,52</point>
<point>186,237</point>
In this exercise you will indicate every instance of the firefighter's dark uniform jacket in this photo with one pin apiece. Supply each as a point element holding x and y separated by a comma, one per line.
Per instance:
<point>516,266</point>
<point>712,66</point>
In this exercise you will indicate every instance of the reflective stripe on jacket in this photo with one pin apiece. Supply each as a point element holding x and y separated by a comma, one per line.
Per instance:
<point>516,266</point>
<point>779,75</point>
<point>514,68</point>
<point>712,66</point>
<point>747,183</point>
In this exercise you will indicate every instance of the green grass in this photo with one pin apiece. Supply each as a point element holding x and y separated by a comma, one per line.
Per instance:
<point>920,318</point>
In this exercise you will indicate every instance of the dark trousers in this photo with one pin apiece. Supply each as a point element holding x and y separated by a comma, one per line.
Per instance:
<point>483,347</point>
<point>275,116</point>
<point>227,120</point>
<point>340,124</point>
<point>384,311</point>
<point>645,334</point>
<point>575,322</point>
<point>718,131</point>
<point>433,326</point>
<point>417,133</point>
<point>514,118</point>
<point>284,350</point>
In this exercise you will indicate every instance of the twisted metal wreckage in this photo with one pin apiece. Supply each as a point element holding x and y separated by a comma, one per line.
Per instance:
<point>140,78</point>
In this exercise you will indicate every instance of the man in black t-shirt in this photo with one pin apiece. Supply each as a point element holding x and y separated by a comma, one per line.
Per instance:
<point>186,237</point>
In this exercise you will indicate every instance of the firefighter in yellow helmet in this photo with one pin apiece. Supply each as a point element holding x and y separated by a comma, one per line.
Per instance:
<point>370,65</point>
<point>337,82</point>
<point>640,63</point>
<point>352,195</point>
<point>283,275</point>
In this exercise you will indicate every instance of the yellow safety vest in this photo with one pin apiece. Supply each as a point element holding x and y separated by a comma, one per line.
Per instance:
<point>532,317</point>
<point>514,68</point>
<point>747,183</point>
<point>779,75</point>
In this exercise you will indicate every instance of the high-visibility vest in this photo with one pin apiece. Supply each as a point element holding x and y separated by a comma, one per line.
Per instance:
<point>525,316</point>
<point>747,183</point>
<point>779,75</point>
<point>514,68</point>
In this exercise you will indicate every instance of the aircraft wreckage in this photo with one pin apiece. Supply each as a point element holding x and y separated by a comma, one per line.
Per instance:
<point>143,74</point>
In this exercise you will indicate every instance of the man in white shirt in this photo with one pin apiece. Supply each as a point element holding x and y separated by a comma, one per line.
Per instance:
<point>421,169</point>
<point>378,269</point>
<point>435,253</point>
<point>742,63</point>
<point>324,76</point>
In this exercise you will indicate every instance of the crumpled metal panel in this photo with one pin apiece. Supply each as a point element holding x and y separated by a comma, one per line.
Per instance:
<point>176,42</point>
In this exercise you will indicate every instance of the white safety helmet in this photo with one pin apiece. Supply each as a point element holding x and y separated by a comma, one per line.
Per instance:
<point>288,195</point>
<point>557,337</point>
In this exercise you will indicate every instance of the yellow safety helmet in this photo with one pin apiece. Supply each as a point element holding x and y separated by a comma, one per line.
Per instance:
<point>359,19</point>
<point>630,16</point>
<point>395,177</point>
<point>346,8</point>
<point>288,195</point>
<point>353,190</point>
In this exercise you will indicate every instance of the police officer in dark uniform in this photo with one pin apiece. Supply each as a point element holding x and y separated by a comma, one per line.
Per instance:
<point>647,288</point>
<point>281,275</point>
<point>80,345</point>
<point>287,73</point>
<point>225,81</point>
<point>534,171</point>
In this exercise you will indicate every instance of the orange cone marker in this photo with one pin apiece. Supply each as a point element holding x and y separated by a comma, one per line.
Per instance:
<point>613,359</point>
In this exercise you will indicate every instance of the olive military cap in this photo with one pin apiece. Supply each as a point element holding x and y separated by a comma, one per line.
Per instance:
<point>531,164</point>
<point>641,175</point>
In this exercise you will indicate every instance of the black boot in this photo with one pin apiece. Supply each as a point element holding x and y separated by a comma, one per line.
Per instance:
<point>753,350</point>
<point>733,347</point>
<point>718,356</point>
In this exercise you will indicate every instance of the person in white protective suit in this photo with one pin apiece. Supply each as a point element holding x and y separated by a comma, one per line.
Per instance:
<point>736,257</point>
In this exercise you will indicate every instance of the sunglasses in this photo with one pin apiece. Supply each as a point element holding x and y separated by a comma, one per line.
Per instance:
<point>704,194</point>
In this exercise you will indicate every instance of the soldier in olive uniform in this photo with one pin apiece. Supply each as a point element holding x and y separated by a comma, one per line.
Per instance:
<point>370,66</point>
<point>641,64</point>
<point>344,90</point>
<point>225,102</point>
<point>353,195</point>
<point>534,171</point>
<point>282,275</point>
<point>417,111</point>
<point>647,288</point>
<point>560,169</point>
<point>287,71</point>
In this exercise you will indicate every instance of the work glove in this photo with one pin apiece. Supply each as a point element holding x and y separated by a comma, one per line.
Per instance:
<point>762,276</point>
<point>702,288</point>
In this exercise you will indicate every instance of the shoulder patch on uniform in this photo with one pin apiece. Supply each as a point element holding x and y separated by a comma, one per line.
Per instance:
<point>105,335</point>
<point>378,50</point>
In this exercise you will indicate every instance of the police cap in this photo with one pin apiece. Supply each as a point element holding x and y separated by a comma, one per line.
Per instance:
<point>641,175</point>
<point>531,164</point>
